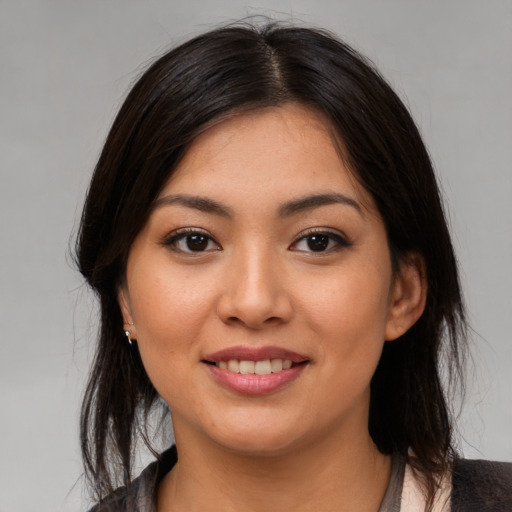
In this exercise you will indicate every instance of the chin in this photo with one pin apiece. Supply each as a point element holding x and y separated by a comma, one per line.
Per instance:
<point>259,440</point>
<point>259,446</point>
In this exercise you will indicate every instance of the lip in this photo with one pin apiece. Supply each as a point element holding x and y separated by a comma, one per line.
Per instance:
<point>255,354</point>
<point>255,384</point>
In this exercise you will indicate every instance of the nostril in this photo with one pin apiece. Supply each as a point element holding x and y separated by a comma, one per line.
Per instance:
<point>253,310</point>
<point>253,323</point>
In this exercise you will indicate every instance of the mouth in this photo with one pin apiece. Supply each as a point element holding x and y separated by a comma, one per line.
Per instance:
<point>248,367</point>
<point>255,371</point>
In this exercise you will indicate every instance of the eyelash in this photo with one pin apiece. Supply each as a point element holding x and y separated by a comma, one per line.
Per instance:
<point>339,240</point>
<point>174,238</point>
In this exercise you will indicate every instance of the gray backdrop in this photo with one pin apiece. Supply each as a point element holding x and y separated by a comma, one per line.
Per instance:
<point>65,68</point>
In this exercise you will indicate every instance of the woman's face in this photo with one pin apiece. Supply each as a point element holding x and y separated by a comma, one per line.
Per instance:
<point>262,248</point>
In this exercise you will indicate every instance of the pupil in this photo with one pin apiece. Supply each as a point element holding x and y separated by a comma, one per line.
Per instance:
<point>318,242</point>
<point>197,242</point>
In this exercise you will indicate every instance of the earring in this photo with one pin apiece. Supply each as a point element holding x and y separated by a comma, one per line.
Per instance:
<point>127,334</point>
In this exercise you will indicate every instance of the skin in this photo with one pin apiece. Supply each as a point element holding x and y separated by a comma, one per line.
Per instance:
<point>257,283</point>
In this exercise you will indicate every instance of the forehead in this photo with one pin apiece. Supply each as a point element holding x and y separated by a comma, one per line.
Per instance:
<point>277,152</point>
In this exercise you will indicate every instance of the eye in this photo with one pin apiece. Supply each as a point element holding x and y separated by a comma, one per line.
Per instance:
<point>320,241</point>
<point>191,241</point>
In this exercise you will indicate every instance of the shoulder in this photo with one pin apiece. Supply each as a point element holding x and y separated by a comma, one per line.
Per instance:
<point>139,496</point>
<point>118,501</point>
<point>481,486</point>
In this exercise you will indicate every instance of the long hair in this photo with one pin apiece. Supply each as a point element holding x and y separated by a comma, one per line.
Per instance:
<point>231,70</point>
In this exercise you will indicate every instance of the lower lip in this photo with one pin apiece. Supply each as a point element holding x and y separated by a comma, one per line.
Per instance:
<point>256,384</point>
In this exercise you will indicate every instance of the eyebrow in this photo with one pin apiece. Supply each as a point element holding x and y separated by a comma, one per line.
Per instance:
<point>202,204</point>
<point>207,205</point>
<point>314,201</point>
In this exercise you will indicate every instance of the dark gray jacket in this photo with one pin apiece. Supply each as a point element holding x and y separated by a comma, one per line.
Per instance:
<point>478,486</point>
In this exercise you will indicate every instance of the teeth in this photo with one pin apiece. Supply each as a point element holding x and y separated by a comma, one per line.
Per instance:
<point>276,365</point>
<point>234,366</point>
<point>265,367</point>
<point>262,367</point>
<point>246,367</point>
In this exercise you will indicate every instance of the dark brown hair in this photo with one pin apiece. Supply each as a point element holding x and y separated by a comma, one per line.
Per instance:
<point>190,88</point>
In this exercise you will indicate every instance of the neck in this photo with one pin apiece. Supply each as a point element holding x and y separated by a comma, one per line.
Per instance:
<point>329,475</point>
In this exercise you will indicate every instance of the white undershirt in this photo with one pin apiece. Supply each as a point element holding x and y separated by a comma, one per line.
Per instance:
<point>413,498</point>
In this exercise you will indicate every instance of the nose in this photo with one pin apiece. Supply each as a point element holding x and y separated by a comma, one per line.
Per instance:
<point>255,294</point>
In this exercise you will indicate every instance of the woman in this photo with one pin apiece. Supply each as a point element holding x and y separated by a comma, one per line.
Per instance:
<point>267,241</point>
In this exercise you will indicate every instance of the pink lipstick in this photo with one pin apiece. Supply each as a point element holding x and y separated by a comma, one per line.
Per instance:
<point>255,371</point>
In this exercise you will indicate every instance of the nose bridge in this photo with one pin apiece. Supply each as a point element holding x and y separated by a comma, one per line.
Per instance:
<point>256,292</point>
<point>256,269</point>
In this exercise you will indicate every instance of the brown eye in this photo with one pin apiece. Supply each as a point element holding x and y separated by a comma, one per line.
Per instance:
<point>317,243</point>
<point>191,241</point>
<point>322,241</point>
<point>196,242</point>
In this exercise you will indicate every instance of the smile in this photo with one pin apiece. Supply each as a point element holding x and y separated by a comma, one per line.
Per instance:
<point>255,371</point>
<point>265,367</point>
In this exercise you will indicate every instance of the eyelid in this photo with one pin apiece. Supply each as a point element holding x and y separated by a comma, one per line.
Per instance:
<point>171,238</point>
<point>339,237</point>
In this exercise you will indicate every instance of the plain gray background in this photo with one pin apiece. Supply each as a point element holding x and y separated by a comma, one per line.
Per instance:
<point>65,68</point>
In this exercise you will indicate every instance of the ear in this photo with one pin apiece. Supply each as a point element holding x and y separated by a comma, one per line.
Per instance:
<point>408,296</point>
<point>123,298</point>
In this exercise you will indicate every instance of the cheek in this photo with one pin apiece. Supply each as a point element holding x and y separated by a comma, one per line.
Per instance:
<point>349,313</point>
<point>167,305</point>
<point>354,298</point>
<point>169,314</point>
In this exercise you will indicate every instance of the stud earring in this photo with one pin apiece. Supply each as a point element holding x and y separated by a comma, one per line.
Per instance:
<point>127,334</point>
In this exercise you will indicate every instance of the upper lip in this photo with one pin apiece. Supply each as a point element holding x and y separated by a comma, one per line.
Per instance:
<point>242,353</point>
